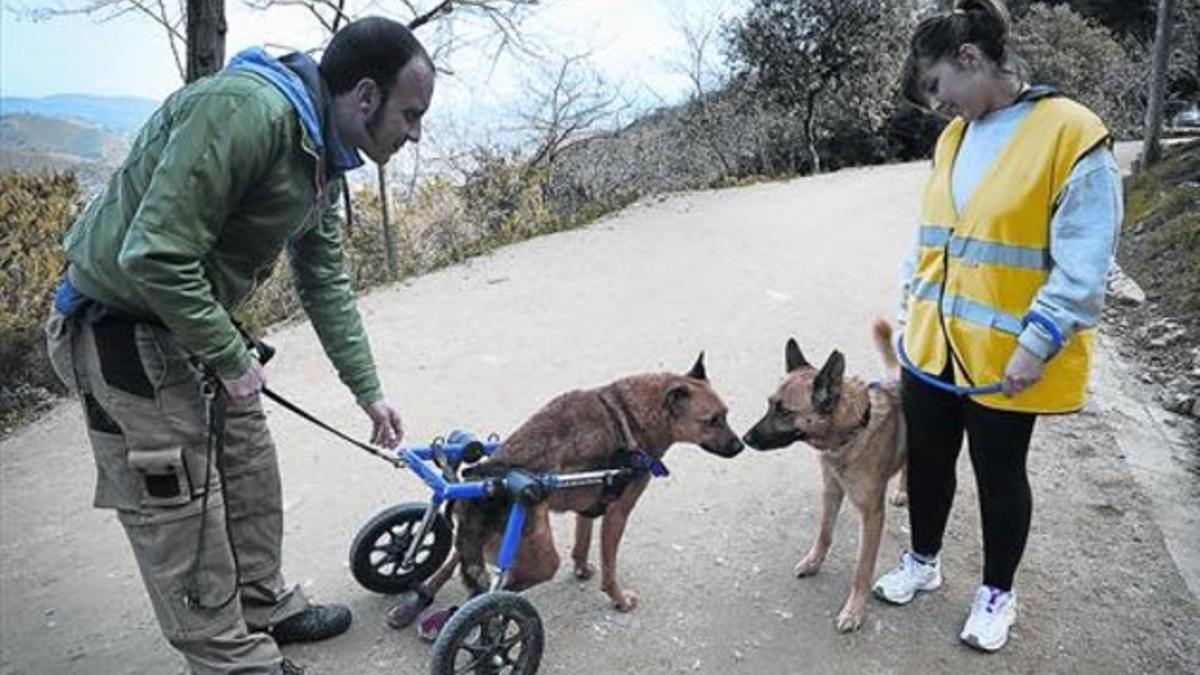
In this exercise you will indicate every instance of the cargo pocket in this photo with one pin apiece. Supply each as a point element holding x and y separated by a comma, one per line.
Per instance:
<point>60,345</point>
<point>164,476</point>
<point>117,487</point>
<point>152,397</point>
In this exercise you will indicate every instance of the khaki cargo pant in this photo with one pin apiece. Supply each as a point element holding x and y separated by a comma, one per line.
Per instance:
<point>147,423</point>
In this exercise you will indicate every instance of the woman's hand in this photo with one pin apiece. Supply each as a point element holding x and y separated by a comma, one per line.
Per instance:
<point>1023,370</point>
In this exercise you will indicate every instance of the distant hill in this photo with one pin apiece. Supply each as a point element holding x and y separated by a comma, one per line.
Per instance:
<point>39,143</point>
<point>123,115</point>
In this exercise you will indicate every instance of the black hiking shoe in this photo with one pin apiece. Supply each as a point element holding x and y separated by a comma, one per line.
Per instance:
<point>318,622</point>
<point>289,668</point>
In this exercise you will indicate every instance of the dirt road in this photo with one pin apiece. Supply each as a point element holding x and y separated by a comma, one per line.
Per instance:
<point>711,548</point>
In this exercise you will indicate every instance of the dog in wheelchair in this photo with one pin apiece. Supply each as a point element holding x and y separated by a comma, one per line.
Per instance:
<point>627,424</point>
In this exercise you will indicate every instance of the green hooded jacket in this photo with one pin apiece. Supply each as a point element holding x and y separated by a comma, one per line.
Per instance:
<point>220,180</point>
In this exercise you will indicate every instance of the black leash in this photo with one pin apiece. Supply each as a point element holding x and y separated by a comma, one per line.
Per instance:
<point>264,352</point>
<point>215,405</point>
<point>394,461</point>
<point>214,395</point>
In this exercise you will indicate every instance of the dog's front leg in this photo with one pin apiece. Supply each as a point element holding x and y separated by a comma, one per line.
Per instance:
<point>611,530</point>
<point>855,609</point>
<point>434,583</point>
<point>410,604</point>
<point>583,543</point>
<point>831,503</point>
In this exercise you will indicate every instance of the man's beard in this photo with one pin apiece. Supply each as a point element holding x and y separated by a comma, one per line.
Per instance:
<point>372,126</point>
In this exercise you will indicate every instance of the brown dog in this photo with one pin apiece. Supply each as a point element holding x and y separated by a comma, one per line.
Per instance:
<point>859,431</point>
<point>581,431</point>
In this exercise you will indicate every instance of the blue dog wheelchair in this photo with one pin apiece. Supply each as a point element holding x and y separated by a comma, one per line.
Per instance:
<point>497,632</point>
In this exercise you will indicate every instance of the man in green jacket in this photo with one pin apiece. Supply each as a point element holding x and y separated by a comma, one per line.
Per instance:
<point>232,170</point>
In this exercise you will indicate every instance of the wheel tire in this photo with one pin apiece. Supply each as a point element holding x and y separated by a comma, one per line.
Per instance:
<point>383,541</point>
<point>485,624</point>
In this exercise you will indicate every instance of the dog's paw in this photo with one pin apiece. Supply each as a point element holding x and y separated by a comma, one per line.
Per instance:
<point>625,601</point>
<point>850,619</point>
<point>808,566</point>
<point>584,571</point>
<point>900,498</point>
<point>408,606</point>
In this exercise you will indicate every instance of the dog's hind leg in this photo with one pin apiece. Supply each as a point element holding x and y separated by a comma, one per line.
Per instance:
<point>538,560</point>
<point>470,541</point>
<point>900,496</point>
<point>855,609</point>
<point>831,503</point>
<point>611,529</point>
<point>583,544</point>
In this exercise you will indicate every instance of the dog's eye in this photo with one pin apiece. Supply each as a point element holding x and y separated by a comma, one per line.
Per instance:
<point>778,409</point>
<point>715,420</point>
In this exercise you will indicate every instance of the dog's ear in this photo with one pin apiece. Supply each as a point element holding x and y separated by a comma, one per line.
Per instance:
<point>792,357</point>
<point>827,388</point>
<point>697,371</point>
<point>677,394</point>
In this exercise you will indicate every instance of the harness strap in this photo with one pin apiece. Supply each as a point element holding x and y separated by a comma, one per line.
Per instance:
<point>635,461</point>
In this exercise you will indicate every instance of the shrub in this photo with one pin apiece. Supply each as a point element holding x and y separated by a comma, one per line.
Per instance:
<point>35,211</point>
<point>1085,61</point>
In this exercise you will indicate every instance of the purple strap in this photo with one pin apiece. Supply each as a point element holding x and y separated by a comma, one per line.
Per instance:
<point>641,460</point>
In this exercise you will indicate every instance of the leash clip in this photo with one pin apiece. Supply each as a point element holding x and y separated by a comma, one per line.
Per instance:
<point>209,388</point>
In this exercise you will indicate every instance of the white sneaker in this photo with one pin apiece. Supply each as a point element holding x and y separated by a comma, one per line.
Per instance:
<point>910,576</point>
<point>993,612</point>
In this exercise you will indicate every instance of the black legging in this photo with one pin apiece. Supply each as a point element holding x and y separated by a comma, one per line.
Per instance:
<point>999,443</point>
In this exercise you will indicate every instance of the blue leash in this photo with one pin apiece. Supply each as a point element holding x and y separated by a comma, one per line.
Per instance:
<point>935,382</point>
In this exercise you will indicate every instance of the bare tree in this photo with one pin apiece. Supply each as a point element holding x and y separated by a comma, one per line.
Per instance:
<point>698,62</point>
<point>205,37</point>
<point>1158,83</point>
<point>567,102</point>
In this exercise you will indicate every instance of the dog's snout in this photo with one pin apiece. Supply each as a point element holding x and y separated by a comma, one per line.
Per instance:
<point>735,446</point>
<point>749,439</point>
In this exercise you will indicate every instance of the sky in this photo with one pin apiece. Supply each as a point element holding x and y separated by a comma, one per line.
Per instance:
<point>630,44</point>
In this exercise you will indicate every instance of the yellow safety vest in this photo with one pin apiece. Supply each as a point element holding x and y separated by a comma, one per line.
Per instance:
<point>986,264</point>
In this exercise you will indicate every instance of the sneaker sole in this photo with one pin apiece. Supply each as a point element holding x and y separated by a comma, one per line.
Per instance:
<point>974,642</point>
<point>932,586</point>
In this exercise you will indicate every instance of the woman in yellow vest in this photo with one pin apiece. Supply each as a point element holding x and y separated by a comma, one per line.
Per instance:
<point>1001,294</point>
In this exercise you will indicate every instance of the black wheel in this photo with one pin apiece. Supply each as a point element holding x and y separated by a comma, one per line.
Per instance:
<point>498,633</point>
<point>380,546</point>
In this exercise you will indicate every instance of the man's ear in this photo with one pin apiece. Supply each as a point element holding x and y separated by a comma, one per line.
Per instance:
<point>366,96</point>
<point>827,388</point>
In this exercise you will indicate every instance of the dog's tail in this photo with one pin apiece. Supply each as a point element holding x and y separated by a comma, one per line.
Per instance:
<point>882,333</point>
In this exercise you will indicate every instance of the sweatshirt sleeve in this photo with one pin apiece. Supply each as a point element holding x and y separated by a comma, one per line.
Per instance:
<point>1083,236</point>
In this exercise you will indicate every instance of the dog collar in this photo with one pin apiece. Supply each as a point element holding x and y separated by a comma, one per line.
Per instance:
<point>642,461</point>
<point>847,435</point>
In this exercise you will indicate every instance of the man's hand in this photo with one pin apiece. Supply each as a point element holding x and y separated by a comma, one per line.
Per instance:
<point>388,430</point>
<point>1023,370</point>
<point>248,383</point>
